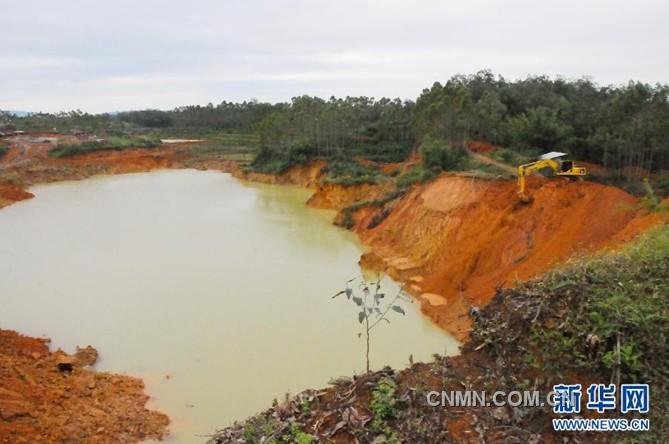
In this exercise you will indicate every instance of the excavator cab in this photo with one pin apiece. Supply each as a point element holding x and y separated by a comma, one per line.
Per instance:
<point>566,166</point>
<point>553,160</point>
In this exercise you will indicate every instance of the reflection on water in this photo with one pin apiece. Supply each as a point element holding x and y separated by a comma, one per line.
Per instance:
<point>216,292</point>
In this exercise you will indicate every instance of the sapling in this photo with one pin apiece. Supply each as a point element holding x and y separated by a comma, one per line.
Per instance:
<point>373,306</point>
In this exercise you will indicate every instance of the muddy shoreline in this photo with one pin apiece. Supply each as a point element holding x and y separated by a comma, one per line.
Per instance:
<point>55,397</point>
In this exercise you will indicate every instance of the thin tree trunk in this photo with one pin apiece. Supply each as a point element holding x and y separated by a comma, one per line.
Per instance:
<point>367,334</point>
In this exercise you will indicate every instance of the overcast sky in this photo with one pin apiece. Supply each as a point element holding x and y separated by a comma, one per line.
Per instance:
<point>118,55</point>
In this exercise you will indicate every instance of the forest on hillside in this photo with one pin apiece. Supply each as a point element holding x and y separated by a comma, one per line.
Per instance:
<point>618,127</point>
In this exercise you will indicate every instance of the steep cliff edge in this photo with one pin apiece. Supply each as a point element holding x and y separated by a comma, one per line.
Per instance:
<point>455,240</point>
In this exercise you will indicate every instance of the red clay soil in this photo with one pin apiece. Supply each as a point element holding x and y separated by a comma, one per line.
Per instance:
<point>305,175</point>
<point>337,197</point>
<point>36,145</point>
<point>119,162</point>
<point>40,403</point>
<point>481,147</point>
<point>15,177</point>
<point>455,240</point>
<point>10,193</point>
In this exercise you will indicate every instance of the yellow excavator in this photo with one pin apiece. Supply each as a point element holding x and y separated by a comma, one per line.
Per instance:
<point>553,160</point>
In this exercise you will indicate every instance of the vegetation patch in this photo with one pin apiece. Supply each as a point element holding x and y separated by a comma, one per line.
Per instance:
<point>218,147</point>
<point>438,155</point>
<point>513,157</point>
<point>384,404</point>
<point>269,163</point>
<point>238,141</point>
<point>268,430</point>
<point>350,172</point>
<point>384,151</point>
<point>650,200</point>
<point>4,149</point>
<point>417,174</point>
<point>112,143</point>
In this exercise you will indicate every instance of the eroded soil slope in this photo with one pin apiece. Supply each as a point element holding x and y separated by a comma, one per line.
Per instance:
<point>40,403</point>
<point>457,239</point>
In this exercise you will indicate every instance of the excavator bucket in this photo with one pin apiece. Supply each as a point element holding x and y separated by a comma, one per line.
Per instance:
<point>525,199</point>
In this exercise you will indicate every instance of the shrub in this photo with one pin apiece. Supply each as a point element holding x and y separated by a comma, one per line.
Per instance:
<point>650,201</point>
<point>349,172</point>
<point>299,151</point>
<point>417,174</point>
<point>384,151</point>
<point>661,182</point>
<point>269,162</point>
<point>276,162</point>
<point>439,156</point>
<point>250,434</point>
<point>384,402</point>
<point>509,156</point>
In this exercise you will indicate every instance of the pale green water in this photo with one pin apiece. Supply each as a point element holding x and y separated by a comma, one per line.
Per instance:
<point>222,285</point>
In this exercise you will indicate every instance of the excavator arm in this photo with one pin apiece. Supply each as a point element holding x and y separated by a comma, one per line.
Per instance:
<point>530,168</point>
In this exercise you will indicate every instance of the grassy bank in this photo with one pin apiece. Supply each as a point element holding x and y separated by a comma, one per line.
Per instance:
<point>594,320</point>
<point>602,319</point>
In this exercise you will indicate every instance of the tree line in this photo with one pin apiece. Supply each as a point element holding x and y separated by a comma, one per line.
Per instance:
<point>615,126</point>
<point>353,126</point>
<point>618,127</point>
<point>228,116</point>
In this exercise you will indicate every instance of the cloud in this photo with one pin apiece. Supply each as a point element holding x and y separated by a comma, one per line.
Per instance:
<point>105,56</point>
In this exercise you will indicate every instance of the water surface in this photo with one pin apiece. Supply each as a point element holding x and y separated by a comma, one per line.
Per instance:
<point>216,292</point>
